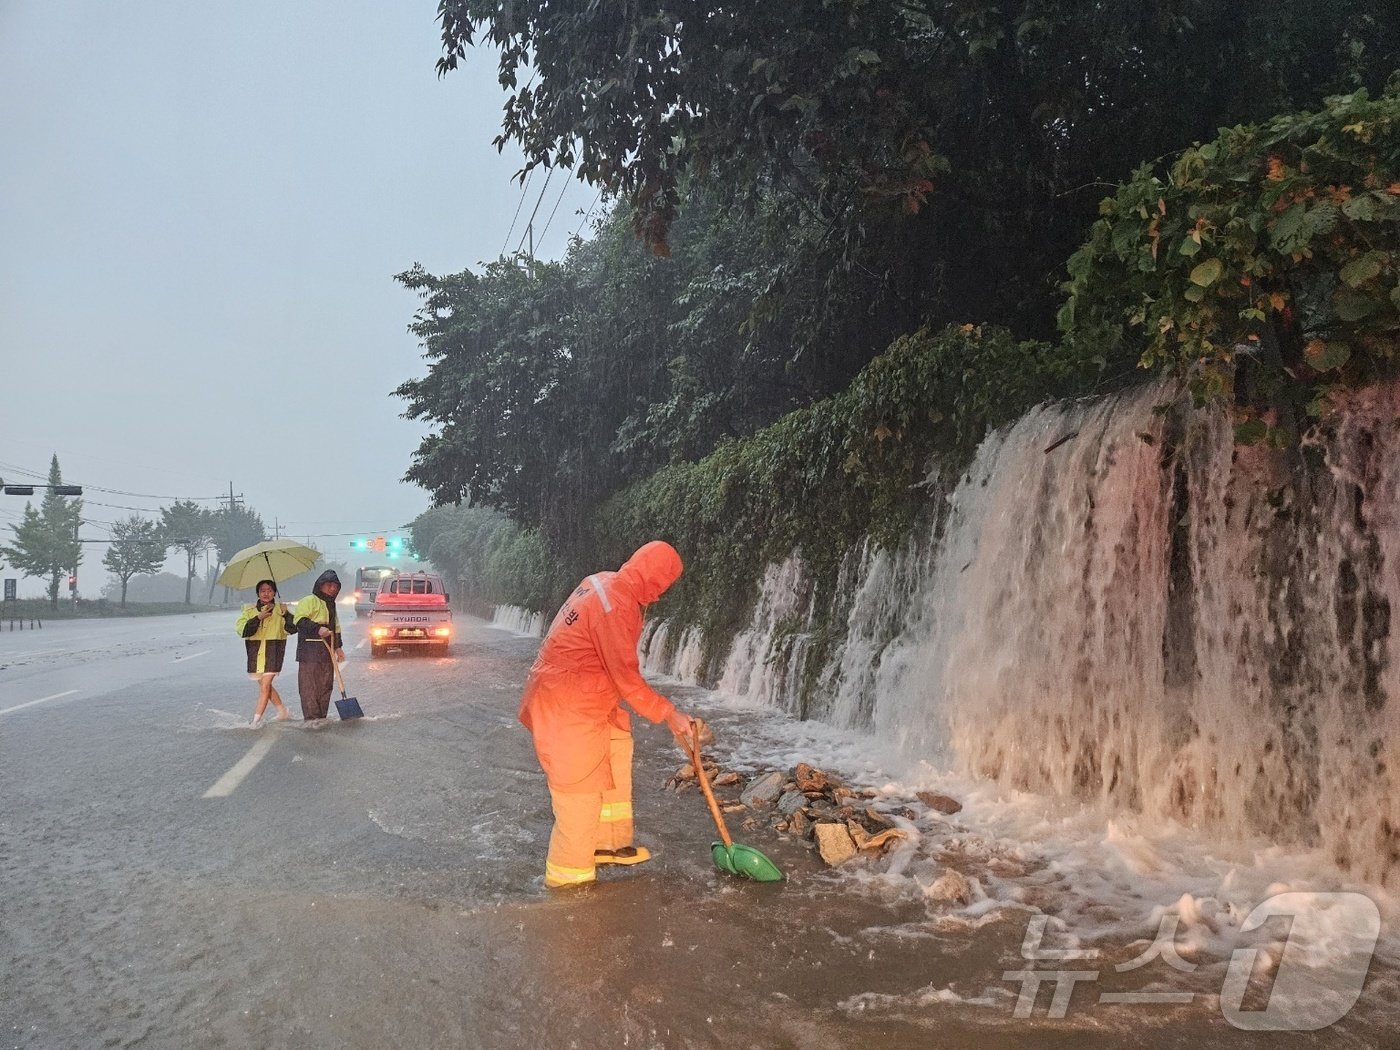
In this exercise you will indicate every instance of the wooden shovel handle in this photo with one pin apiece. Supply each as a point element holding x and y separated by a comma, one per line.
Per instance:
<point>331,652</point>
<point>705,784</point>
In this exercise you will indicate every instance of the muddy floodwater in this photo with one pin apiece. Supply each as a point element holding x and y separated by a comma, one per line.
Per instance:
<point>378,884</point>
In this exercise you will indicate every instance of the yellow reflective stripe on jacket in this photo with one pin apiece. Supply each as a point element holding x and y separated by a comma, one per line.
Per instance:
<point>560,875</point>
<point>314,609</point>
<point>615,811</point>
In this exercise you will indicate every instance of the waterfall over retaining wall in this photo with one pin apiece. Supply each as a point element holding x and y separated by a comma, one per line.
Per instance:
<point>1145,613</point>
<point>520,621</point>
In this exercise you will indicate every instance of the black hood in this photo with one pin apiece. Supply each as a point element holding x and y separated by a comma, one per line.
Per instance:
<point>329,576</point>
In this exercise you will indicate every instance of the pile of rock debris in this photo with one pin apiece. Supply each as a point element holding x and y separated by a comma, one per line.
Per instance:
<point>813,805</point>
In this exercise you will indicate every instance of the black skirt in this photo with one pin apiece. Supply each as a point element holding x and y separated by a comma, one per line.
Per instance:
<point>272,659</point>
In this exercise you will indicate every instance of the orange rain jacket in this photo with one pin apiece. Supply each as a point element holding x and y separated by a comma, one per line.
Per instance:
<point>588,663</point>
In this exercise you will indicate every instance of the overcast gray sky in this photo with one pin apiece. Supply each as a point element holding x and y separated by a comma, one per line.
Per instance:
<point>201,210</point>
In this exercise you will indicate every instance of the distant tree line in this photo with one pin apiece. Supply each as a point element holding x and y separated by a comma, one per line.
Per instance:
<point>46,544</point>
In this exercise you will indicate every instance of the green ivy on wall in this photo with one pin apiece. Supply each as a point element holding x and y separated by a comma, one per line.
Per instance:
<point>1272,252</point>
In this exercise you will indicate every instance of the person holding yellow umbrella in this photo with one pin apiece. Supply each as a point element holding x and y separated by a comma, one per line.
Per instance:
<point>266,625</point>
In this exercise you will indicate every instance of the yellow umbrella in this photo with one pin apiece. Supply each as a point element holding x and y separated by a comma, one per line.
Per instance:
<point>270,560</point>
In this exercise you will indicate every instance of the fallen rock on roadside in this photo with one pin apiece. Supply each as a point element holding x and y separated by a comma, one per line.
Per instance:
<point>941,803</point>
<point>808,803</point>
<point>951,887</point>
<point>834,843</point>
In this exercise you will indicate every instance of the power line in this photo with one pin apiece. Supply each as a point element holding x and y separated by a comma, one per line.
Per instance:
<point>113,492</point>
<point>589,212</point>
<point>119,506</point>
<point>524,187</point>
<point>562,190</point>
<point>540,200</point>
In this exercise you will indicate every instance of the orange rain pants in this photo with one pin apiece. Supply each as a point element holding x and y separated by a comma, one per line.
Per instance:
<point>584,823</point>
<point>586,666</point>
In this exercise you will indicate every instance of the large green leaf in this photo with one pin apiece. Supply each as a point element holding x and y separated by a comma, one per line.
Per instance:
<point>1354,306</point>
<point>1251,432</point>
<point>1325,355</point>
<point>1207,273</point>
<point>1362,269</point>
<point>1290,233</point>
<point>1362,208</point>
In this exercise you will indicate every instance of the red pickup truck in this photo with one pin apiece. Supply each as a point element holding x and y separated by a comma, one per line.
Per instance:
<point>410,609</point>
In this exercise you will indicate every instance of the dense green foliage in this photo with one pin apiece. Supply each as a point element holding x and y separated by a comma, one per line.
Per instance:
<point>954,148</point>
<point>1275,246</point>
<point>822,478</point>
<point>834,188</point>
<point>552,392</point>
<point>491,560</point>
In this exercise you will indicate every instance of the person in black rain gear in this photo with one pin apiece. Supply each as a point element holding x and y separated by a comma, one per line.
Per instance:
<point>318,642</point>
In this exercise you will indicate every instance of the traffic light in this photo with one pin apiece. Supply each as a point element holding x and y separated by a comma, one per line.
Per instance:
<point>393,546</point>
<point>72,581</point>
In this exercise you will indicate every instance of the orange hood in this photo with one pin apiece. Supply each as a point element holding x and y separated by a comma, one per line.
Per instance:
<point>653,568</point>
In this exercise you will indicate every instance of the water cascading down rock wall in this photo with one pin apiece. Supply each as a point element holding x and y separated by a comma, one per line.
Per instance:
<point>1145,614</point>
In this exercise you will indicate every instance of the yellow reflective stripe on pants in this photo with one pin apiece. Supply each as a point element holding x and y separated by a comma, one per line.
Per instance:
<point>557,875</point>
<point>589,821</point>
<point>614,811</point>
<point>573,838</point>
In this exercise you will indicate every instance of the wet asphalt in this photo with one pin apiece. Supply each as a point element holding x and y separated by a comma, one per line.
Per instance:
<point>377,883</point>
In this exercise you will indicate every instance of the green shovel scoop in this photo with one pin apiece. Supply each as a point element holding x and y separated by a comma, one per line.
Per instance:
<point>730,856</point>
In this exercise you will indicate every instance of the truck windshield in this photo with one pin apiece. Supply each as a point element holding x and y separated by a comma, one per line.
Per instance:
<point>367,579</point>
<point>410,587</point>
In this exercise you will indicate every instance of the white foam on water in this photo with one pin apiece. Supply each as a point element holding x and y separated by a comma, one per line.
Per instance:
<point>1108,880</point>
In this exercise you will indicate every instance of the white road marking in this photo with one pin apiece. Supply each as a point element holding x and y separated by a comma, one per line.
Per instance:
<point>228,783</point>
<point>362,643</point>
<point>41,700</point>
<point>30,654</point>
<point>191,656</point>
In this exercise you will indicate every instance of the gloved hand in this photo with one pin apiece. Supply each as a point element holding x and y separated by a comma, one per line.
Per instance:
<point>678,722</point>
<point>680,725</point>
<point>707,735</point>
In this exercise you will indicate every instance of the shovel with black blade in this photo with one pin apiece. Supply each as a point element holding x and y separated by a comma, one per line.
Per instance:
<point>347,707</point>
<point>729,856</point>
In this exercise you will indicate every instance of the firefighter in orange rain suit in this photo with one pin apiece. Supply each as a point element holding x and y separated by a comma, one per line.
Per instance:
<point>586,665</point>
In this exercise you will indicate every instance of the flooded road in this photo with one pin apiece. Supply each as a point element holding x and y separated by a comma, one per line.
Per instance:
<point>172,878</point>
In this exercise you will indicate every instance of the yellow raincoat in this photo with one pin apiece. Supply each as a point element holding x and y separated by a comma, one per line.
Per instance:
<point>265,640</point>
